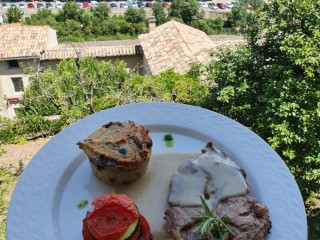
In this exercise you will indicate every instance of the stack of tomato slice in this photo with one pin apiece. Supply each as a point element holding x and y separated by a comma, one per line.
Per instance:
<point>115,217</point>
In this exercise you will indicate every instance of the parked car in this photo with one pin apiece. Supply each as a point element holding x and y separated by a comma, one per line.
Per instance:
<point>212,6</point>
<point>221,6</point>
<point>86,5</point>
<point>201,4</point>
<point>12,5</point>
<point>132,3</point>
<point>165,4</point>
<point>148,4</point>
<point>30,5</point>
<point>21,5</point>
<point>49,5</point>
<point>40,5</point>
<point>140,4</point>
<point>94,4</point>
<point>229,5</point>
<point>59,5</point>
<point>4,6</point>
<point>113,5</point>
<point>123,5</point>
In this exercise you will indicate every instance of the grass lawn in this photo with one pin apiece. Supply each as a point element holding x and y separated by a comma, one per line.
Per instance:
<point>8,180</point>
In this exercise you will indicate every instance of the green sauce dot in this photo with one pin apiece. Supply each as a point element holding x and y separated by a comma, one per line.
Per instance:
<point>168,139</point>
<point>82,204</point>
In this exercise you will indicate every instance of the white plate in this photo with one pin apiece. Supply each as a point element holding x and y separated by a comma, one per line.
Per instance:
<point>43,205</point>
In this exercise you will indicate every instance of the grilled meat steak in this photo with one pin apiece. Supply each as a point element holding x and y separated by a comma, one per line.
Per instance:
<point>247,216</point>
<point>180,224</point>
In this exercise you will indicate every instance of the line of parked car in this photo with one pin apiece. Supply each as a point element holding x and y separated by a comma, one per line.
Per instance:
<point>216,6</point>
<point>58,4</point>
<point>38,5</point>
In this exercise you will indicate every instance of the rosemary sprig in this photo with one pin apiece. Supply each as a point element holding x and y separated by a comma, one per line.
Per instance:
<point>208,221</point>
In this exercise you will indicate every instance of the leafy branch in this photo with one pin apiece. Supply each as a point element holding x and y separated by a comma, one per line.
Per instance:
<point>210,222</point>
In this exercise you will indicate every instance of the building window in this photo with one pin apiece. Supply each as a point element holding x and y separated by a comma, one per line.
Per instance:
<point>13,64</point>
<point>17,84</point>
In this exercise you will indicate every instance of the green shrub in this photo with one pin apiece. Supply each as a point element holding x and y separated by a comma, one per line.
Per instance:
<point>272,86</point>
<point>11,131</point>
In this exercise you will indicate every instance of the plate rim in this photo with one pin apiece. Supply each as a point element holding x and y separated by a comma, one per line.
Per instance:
<point>139,109</point>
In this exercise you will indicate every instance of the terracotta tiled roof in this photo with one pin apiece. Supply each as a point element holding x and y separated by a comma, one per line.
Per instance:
<point>18,40</point>
<point>227,40</point>
<point>174,45</point>
<point>93,49</point>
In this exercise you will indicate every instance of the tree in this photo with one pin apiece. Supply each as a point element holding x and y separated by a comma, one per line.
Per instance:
<point>255,3</point>
<point>210,26</point>
<point>175,8</point>
<point>187,11</point>
<point>42,17</point>
<point>71,11</point>
<point>191,11</point>
<point>134,15</point>
<point>74,90</point>
<point>101,12</point>
<point>239,15</point>
<point>13,15</point>
<point>272,85</point>
<point>79,87</point>
<point>159,13</point>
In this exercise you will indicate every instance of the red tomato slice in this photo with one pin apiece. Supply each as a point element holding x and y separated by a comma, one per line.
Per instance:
<point>111,216</point>
<point>85,232</point>
<point>146,233</point>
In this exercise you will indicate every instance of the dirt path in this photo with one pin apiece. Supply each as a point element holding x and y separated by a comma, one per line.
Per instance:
<point>15,153</point>
<point>13,159</point>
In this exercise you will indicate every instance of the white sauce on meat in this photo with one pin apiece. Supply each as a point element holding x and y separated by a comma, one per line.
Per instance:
<point>212,175</point>
<point>150,193</point>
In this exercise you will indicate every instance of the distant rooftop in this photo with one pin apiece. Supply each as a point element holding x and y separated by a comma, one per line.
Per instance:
<point>174,45</point>
<point>227,40</point>
<point>171,45</point>
<point>21,41</point>
<point>93,49</point>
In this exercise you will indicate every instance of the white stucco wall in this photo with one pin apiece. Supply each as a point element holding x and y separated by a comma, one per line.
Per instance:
<point>7,88</point>
<point>52,40</point>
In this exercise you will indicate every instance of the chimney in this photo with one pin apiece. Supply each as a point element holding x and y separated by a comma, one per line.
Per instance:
<point>152,23</point>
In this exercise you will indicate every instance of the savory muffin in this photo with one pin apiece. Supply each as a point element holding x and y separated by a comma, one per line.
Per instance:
<point>119,152</point>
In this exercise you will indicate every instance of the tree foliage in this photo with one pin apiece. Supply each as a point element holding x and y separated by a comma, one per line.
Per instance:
<point>272,85</point>
<point>43,17</point>
<point>256,4</point>
<point>81,87</point>
<point>71,11</point>
<point>210,26</point>
<point>13,15</point>
<point>135,15</point>
<point>242,15</point>
<point>187,11</point>
<point>159,13</point>
<point>239,15</point>
<point>76,24</point>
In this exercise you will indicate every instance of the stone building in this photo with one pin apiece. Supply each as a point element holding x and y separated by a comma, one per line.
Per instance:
<point>170,46</point>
